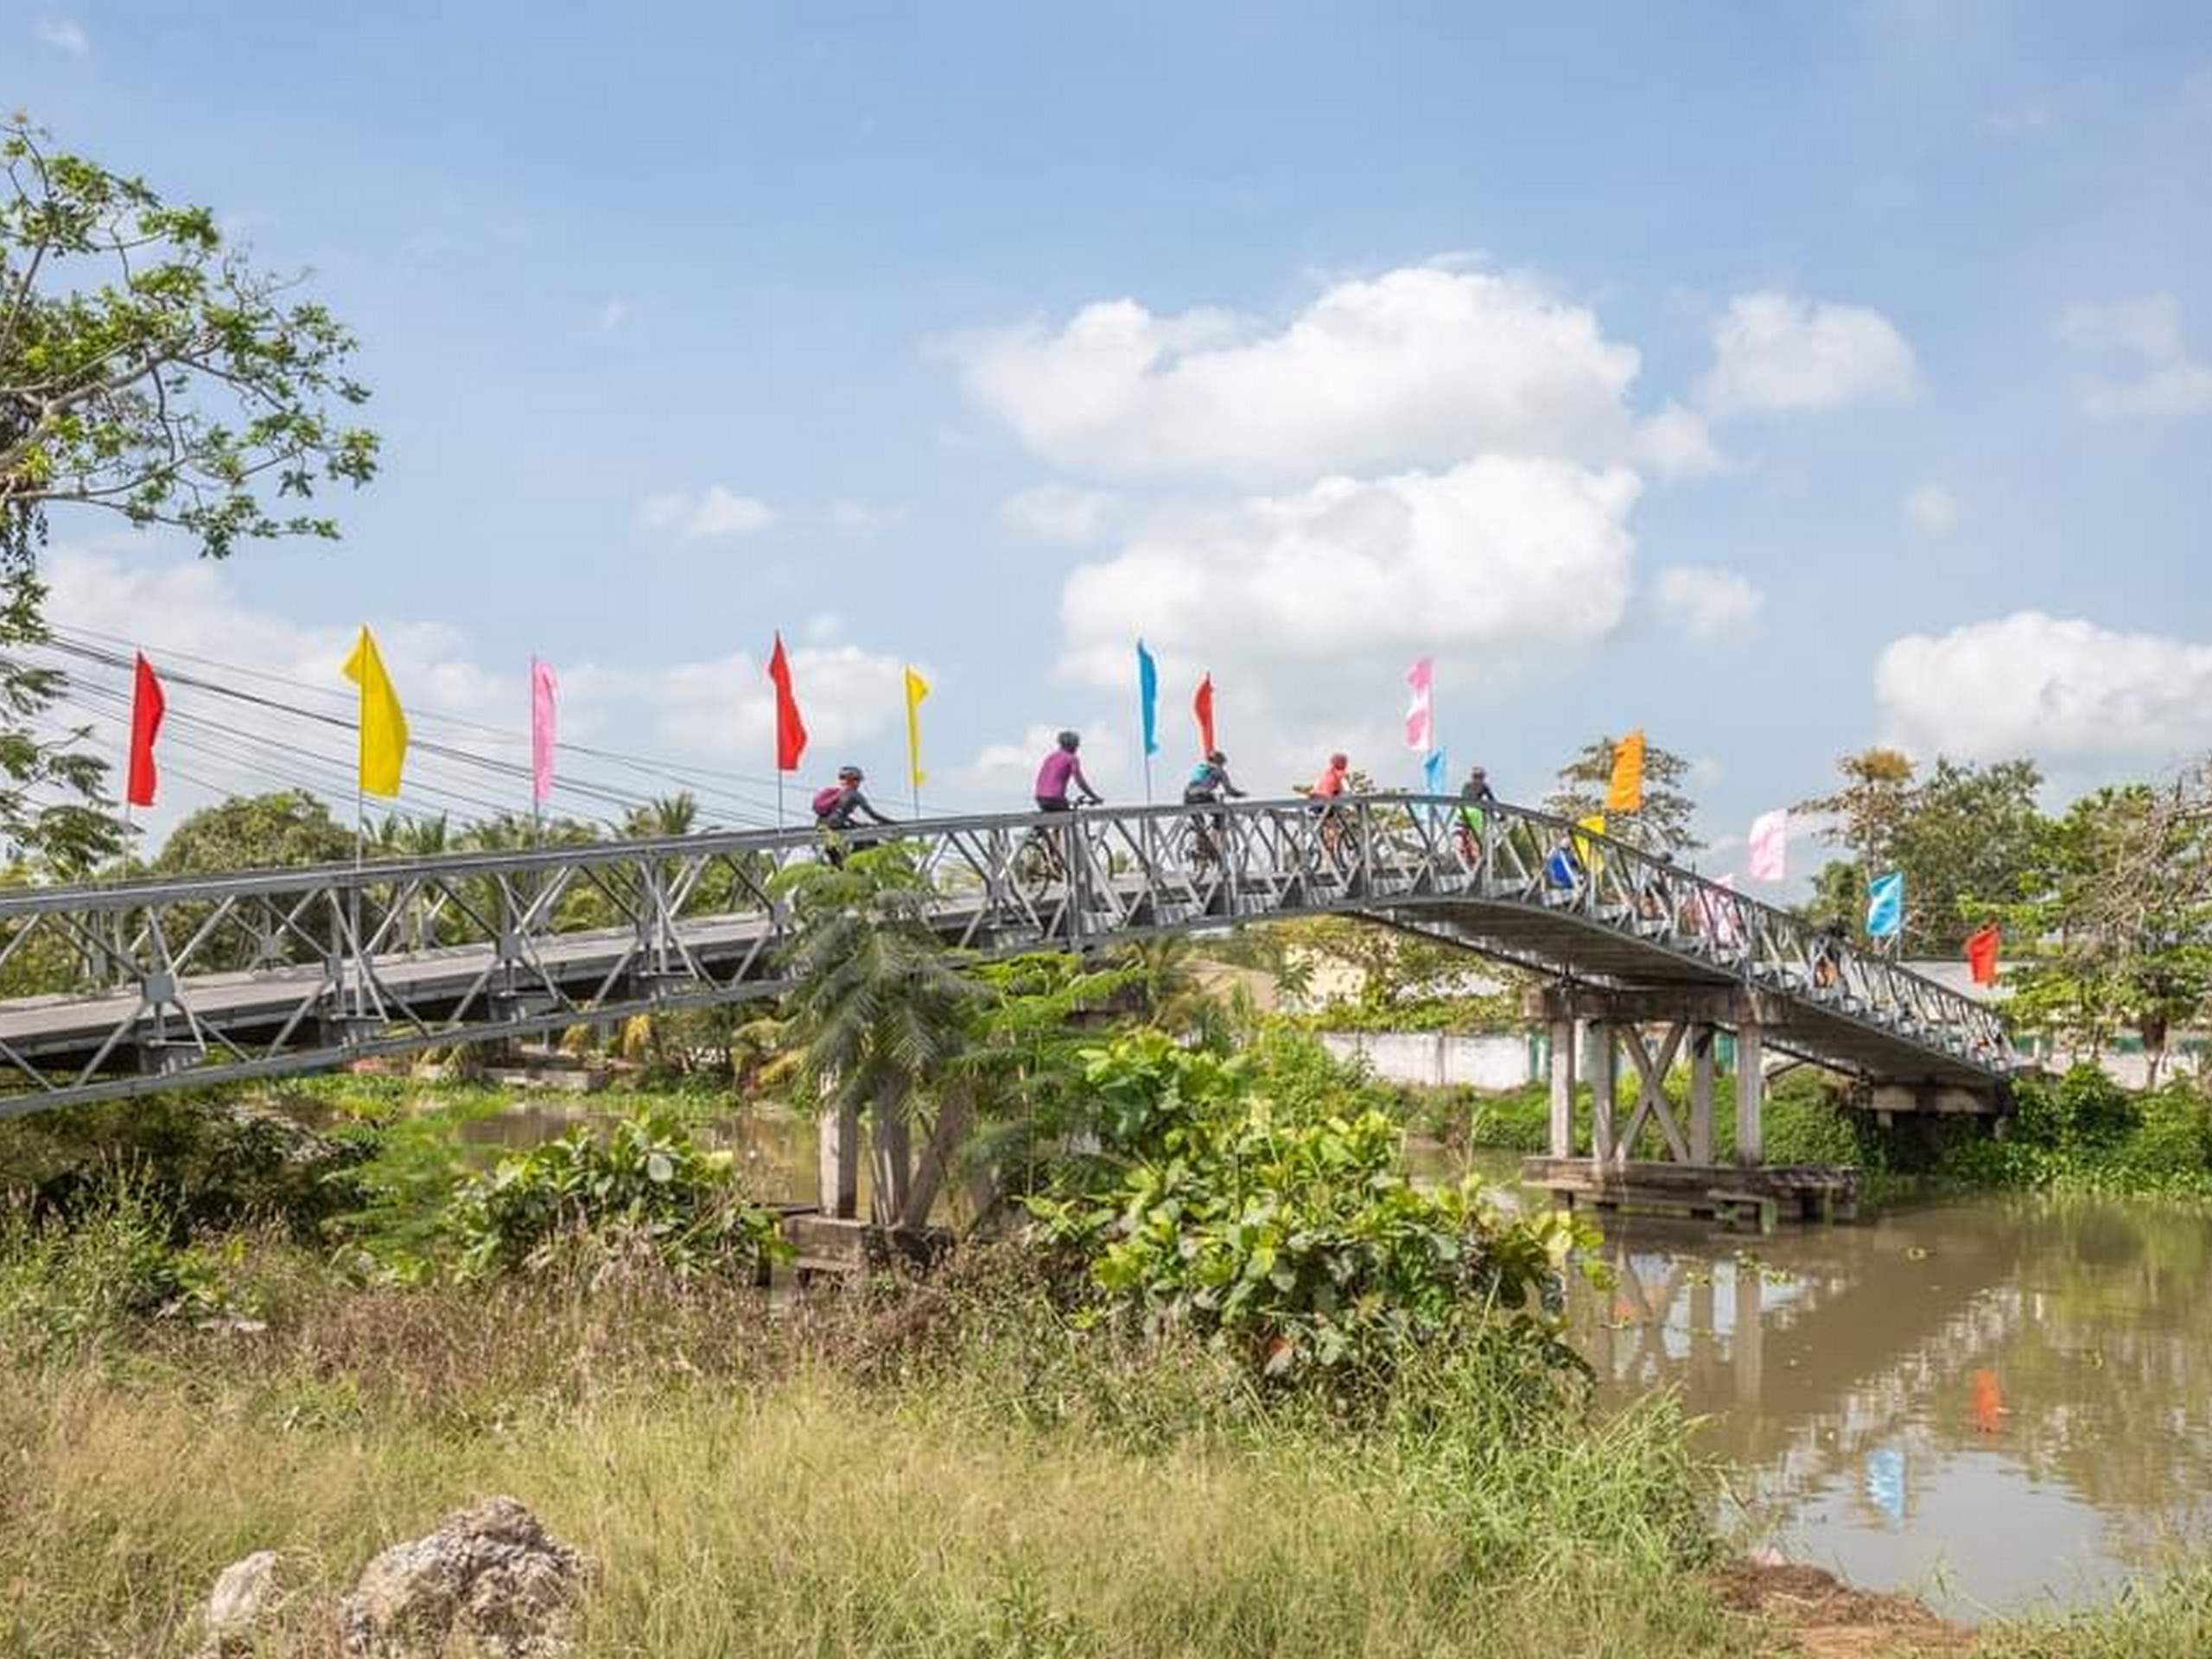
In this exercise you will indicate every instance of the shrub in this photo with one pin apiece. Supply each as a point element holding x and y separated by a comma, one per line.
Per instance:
<point>65,1284</point>
<point>1291,1238</point>
<point>646,1182</point>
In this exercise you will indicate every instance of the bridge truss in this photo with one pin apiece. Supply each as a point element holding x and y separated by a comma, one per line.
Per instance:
<point>110,991</point>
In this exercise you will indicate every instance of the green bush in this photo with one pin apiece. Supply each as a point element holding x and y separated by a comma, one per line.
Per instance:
<point>67,1285</point>
<point>1291,1238</point>
<point>209,1161</point>
<point>646,1183</point>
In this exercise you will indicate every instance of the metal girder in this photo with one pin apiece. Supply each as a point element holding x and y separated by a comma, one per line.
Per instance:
<point>121,990</point>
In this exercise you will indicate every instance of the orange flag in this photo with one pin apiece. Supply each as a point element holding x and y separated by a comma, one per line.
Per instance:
<point>1625,792</point>
<point>1981,953</point>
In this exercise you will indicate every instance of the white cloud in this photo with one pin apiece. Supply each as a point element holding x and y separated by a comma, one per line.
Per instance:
<point>1676,443</point>
<point>2033,684</point>
<point>2175,389</point>
<point>1296,597</point>
<point>861,516</point>
<point>1779,352</point>
<point>614,314</point>
<point>1059,513</point>
<point>697,518</point>
<point>1708,603</point>
<point>716,713</point>
<point>65,34</point>
<point>2148,328</point>
<point>1418,368</point>
<point>1931,509</point>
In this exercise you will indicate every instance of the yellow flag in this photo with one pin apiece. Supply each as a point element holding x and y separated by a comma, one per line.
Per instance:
<point>917,689</point>
<point>1586,850</point>
<point>1625,792</point>
<point>383,727</point>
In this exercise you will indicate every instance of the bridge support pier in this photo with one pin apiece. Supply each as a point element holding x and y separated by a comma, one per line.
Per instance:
<point>839,1146</point>
<point>1562,1063</point>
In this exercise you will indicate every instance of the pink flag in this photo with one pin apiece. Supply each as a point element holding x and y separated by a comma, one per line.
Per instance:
<point>1769,845</point>
<point>544,687</point>
<point>1421,678</point>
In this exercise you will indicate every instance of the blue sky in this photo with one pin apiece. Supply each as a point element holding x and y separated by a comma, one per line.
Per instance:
<point>1782,379</point>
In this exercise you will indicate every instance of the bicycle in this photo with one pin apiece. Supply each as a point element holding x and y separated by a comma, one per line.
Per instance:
<point>1040,861</point>
<point>1201,841</point>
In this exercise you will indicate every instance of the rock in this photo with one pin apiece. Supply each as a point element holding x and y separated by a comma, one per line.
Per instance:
<point>490,1576</point>
<point>241,1596</point>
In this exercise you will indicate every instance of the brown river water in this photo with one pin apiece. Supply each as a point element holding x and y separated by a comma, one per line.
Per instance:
<point>1998,1403</point>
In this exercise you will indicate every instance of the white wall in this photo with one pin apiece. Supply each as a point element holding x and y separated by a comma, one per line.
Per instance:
<point>1489,1061</point>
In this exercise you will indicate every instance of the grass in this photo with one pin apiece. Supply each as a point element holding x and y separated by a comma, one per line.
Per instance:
<point>940,1472</point>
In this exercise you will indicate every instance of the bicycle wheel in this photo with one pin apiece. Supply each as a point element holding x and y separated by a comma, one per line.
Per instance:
<point>1036,866</point>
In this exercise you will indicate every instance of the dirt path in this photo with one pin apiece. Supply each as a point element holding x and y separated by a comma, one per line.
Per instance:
<point>1827,1619</point>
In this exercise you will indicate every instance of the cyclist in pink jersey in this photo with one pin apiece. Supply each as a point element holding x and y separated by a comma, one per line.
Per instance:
<point>1060,769</point>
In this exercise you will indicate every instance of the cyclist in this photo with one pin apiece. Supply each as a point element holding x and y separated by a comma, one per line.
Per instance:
<point>834,808</point>
<point>1477,794</point>
<point>1325,792</point>
<point>1060,769</point>
<point>1208,783</point>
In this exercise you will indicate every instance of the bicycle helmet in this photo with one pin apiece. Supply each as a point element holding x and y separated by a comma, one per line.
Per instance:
<point>1215,758</point>
<point>1070,739</point>
<point>848,775</point>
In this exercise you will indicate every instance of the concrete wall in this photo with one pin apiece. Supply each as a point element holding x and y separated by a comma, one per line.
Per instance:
<point>1495,1062</point>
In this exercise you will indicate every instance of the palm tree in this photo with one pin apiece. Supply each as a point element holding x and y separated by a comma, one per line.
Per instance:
<point>880,1008</point>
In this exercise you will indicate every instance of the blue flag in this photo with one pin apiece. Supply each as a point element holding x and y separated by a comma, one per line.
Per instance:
<point>1148,697</point>
<point>1433,772</point>
<point>1886,905</point>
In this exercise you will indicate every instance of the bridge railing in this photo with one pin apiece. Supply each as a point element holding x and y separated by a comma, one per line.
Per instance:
<point>543,935</point>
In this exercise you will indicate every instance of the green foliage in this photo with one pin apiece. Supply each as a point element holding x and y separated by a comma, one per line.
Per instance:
<point>1966,837</point>
<point>147,370</point>
<point>279,831</point>
<point>206,1161</point>
<point>647,1182</point>
<point>68,1284</point>
<point>1290,1237</point>
<point>2116,917</point>
<point>2084,1133</point>
<point>177,388</point>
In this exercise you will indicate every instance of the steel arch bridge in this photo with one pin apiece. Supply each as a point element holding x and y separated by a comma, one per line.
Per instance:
<point>112,991</point>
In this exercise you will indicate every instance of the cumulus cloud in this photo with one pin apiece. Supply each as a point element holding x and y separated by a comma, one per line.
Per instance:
<point>1931,509</point>
<point>65,34</point>
<point>1419,367</point>
<point>1676,443</point>
<point>2056,689</point>
<point>717,512</point>
<point>1059,513</point>
<point>862,516</point>
<point>1507,556</point>
<point>1706,603</point>
<point>1779,352</point>
<point>191,621</point>
<point>2147,329</point>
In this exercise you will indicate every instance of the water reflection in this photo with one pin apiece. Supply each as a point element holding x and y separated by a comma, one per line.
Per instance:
<point>1991,1402</point>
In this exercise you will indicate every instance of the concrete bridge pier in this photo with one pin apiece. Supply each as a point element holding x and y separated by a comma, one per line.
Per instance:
<point>1641,1035</point>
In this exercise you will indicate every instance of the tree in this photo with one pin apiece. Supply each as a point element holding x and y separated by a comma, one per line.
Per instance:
<point>148,370</point>
<point>1663,823</point>
<point>281,830</point>
<point>2115,919</point>
<point>1964,837</point>
<point>879,1007</point>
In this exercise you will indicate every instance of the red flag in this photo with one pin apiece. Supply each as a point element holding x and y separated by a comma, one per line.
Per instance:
<point>147,707</point>
<point>791,730</point>
<point>1202,706</point>
<point>1981,955</point>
